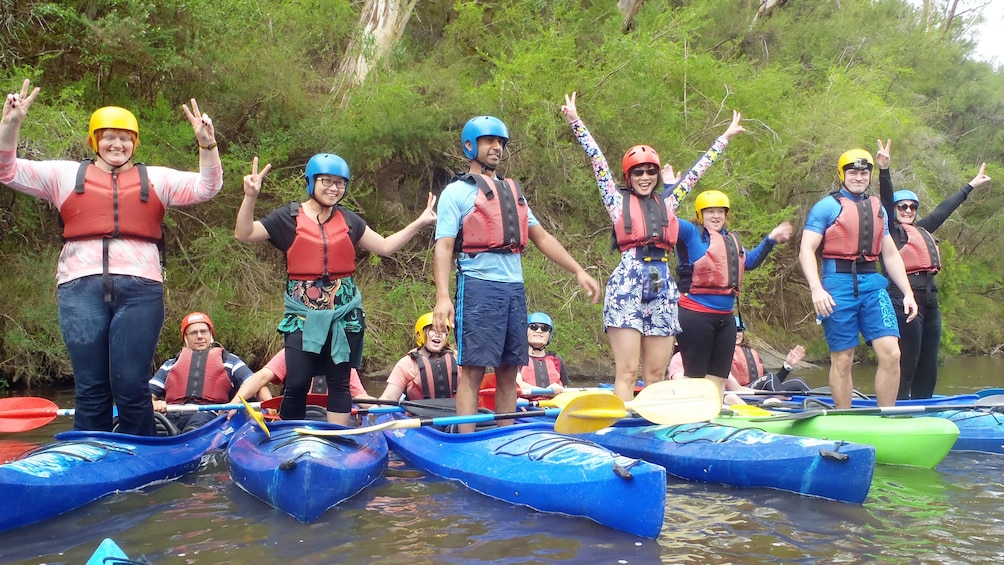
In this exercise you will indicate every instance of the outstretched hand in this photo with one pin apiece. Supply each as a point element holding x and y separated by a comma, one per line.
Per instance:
<point>202,124</point>
<point>795,356</point>
<point>590,285</point>
<point>981,177</point>
<point>428,216</point>
<point>252,182</point>
<point>568,108</point>
<point>734,128</point>
<point>781,233</point>
<point>884,154</point>
<point>669,177</point>
<point>15,107</point>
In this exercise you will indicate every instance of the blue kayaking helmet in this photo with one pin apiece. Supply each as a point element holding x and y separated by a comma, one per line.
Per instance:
<point>480,126</point>
<point>326,164</point>
<point>905,195</point>
<point>740,326</point>
<point>542,318</point>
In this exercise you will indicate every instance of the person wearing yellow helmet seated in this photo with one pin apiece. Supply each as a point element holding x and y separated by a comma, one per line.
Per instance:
<point>849,230</point>
<point>920,339</point>
<point>109,278</point>
<point>640,313</point>
<point>710,271</point>
<point>429,370</point>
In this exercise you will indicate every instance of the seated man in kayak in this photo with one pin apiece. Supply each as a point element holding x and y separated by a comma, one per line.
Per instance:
<point>200,374</point>
<point>748,369</point>
<point>546,368</point>
<point>274,372</point>
<point>428,371</point>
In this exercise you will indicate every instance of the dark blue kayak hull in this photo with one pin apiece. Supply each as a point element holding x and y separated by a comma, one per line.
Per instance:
<point>531,465</point>
<point>81,467</point>
<point>304,475</point>
<point>747,458</point>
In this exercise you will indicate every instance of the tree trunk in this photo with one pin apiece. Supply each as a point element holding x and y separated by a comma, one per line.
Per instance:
<point>381,25</point>
<point>629,9</point>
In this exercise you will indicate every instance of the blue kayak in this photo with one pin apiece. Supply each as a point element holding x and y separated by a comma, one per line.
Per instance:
<point>870,402</point>
<point>531,465</point>
<point>304,475</point>
<point>108,552</point>
<point>979,429</point>
<point>745,458</point>
<point>80,467</point>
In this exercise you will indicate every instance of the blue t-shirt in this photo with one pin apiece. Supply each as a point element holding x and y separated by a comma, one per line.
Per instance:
<point>456,201</point>
<point>824,214</point>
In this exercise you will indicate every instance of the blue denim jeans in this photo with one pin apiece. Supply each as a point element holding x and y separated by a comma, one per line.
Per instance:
<point>111,347</point>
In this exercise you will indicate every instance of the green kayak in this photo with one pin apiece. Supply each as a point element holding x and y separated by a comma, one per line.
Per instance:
<point>898,440</point>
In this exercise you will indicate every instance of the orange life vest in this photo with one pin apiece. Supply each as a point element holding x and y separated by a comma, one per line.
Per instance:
<point>719,271</point>
<point>500,220</point>
<point>644,221</point>
<point>198,377</point>
<point>920,253</point>
<point>437,376</point>
<point>746,365</point>
<point>320,250</point>
<point>856,235</point>
<point>543,371</point>
<point>108,205</point>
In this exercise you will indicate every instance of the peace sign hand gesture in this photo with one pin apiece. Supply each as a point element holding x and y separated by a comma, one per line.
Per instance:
<point>15,107</point>
<point>252,182</point>
<point>202,125</point>
<point>884,154</point>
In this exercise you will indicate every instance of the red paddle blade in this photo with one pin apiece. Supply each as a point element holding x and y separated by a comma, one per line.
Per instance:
<point>20,414</point>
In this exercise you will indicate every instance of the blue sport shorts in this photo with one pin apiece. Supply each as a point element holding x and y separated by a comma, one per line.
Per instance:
<point>491,323</point>
<point>871,314</point>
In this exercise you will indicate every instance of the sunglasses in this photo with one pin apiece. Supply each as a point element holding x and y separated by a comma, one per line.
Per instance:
<point>904,207</point>
<point>639,171</point>
<point>540,328</point>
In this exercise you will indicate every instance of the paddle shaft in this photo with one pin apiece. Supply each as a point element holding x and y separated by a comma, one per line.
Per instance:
<point>45,412</point>
<point>878,410</point>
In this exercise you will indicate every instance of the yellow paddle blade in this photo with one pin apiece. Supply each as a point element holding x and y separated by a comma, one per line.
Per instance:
<point>255,415</point>
<point>678,401</point>
<point>562,400</point>
<point>588,413</point>
<point>749,410</point>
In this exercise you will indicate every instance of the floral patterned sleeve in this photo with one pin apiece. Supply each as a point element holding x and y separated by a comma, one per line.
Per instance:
<point>611,195</point>
<point>674,194</point>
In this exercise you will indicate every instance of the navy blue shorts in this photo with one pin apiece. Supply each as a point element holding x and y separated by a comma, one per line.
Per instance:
<point>491,323</point>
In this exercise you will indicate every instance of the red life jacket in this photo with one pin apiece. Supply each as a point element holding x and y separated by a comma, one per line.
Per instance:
<point>113,205</point>
<point>198,377</point>
<point>746,365</point>
<point>920,253</point>
<point>542,372</point>
<point>437,376</point>
<point>499,222</point>
<point>644,221</point>
<point>719,271</point>
<point>857,232</point>
<point>320,250</point>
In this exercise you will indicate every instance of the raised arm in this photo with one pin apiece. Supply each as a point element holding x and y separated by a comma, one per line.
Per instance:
<point>205,135</point>
<point>683,184</point>
<point>247,228</point>
<point>611,195</point>
<point>385,246</point>
<point>944,209</point>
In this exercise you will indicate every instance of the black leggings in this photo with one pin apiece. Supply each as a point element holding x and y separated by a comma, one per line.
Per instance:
<point>301,367</point>
<point>707,343</point>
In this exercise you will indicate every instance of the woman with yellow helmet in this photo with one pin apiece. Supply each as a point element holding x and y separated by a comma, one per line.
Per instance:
<point>427,371</point>
<point>109,279</point>
<point>640,312</point>
<point>711,265</point>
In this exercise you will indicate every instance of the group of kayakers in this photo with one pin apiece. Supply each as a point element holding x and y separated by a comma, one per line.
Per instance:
<point>111,305</point>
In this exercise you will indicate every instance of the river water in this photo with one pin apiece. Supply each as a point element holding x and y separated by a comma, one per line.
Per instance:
<point>952,514</point>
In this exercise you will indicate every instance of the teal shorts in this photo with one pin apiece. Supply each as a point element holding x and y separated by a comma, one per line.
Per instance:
<point>871,314</point>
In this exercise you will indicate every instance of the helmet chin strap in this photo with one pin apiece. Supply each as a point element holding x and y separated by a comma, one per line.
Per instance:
<point>484,166</point>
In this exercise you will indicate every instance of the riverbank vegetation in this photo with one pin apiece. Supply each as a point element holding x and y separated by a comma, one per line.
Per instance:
<point>391,91</point>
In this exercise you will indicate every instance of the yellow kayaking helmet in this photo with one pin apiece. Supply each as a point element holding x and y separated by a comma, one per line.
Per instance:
<point>111,117</point>
<point>710,199</point>
<point>858,159</point>
<point>424,321</point>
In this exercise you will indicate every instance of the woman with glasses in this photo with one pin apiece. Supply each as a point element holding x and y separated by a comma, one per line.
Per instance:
<point>711,265</point>
<point>546,368</point>
<point>640,308</point>
<point>920,338</point>
<point>324,321</point>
